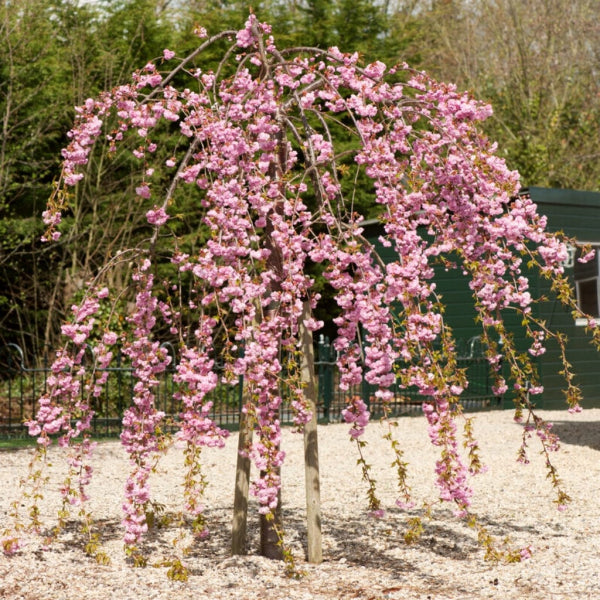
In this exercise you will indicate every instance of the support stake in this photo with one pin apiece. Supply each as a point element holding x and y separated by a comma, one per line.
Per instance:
<point>311,445</point>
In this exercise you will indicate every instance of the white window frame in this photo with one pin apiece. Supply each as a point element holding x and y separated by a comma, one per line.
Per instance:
<point>582,322</point>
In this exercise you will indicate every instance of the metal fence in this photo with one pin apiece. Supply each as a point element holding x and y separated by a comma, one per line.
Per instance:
<point>21,386</point>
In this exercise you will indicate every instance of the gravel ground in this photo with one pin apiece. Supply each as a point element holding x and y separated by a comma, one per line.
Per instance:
<point>365,558</point>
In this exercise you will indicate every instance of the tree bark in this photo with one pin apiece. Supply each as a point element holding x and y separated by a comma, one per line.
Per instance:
<point>270,544</point>
<point>242,486</point>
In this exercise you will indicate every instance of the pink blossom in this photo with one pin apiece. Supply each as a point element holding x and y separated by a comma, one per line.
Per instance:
<point>110,338</point>
<point>526,552</point>
<point>11,545</point>
<point>245,37</point>
<point>313,324</point>
<point>157,216</point>
<point>587,257</point>
<point>200,32</point>
<point>143,190</point>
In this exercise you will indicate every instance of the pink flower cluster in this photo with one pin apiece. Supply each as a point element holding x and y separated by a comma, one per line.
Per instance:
<point>358,415</point>
<point>65,410</point>
<point>142,420</point>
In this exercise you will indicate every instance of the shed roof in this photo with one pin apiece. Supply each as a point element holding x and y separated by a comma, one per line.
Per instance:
<point>561,196</point>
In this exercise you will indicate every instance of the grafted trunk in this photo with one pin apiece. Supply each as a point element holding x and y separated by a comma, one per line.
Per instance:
<point>270,544</point>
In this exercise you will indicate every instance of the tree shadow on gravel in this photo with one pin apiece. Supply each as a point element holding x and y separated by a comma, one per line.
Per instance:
<point>361,541</point>
<point>578,434</point>
<point>379,546</point>
<point>376,544</point>
<point>156,543</point>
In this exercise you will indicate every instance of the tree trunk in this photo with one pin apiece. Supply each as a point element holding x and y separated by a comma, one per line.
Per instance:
<point>242,485</point>
<point>270,544</point>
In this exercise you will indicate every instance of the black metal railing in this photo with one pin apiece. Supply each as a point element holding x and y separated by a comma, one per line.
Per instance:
<point>21,386</point>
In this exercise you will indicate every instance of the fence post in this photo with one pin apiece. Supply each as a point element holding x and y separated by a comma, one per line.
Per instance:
<point>364,392</point>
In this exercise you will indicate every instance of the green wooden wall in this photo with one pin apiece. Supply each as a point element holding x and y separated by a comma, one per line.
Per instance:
<point>578,215</point>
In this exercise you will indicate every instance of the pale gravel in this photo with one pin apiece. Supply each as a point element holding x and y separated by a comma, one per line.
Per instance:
<point>364,558</point>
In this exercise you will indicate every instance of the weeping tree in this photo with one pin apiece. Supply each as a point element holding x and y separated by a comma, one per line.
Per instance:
<point>271,153</point>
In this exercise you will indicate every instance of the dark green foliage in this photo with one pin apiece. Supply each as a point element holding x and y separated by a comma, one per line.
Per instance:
<point>53,55</point>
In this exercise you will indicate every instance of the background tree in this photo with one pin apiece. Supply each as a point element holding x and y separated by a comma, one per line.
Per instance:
<point>536,63</point>
<point>53,55</point>
<point>34,103</point>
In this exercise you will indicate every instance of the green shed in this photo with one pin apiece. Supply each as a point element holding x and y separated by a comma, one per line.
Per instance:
<point>577,214</point>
